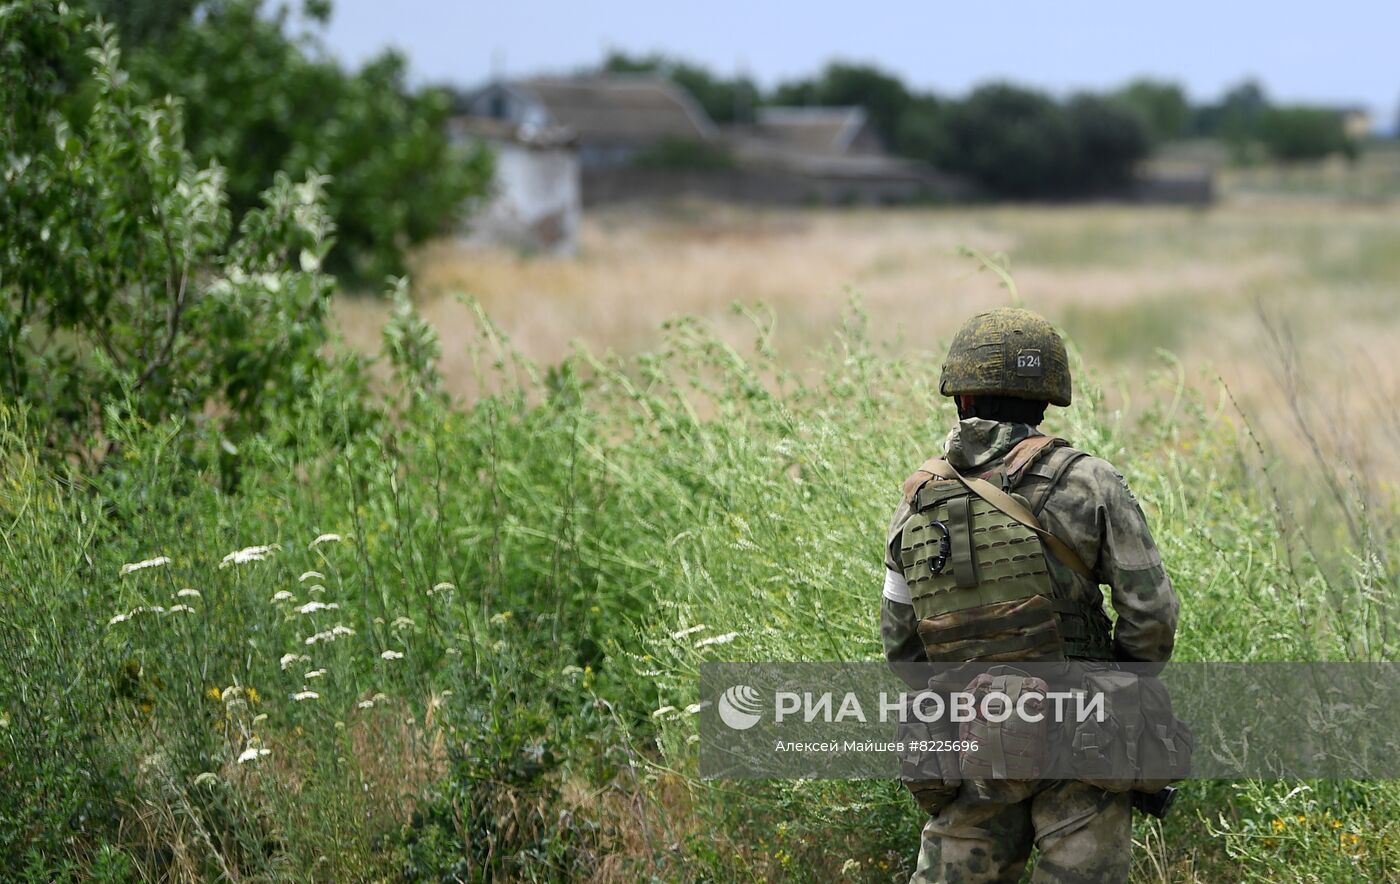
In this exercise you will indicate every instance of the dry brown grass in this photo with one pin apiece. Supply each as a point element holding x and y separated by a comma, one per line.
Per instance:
<point>1123,281</point>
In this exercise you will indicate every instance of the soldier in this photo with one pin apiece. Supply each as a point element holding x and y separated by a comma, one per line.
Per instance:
<point>1004,367</point>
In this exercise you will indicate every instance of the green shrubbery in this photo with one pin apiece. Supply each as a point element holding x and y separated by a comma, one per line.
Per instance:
<point>378,633</point>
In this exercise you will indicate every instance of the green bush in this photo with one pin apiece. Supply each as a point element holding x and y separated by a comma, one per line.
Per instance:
<point>1017,142</point>
<point>1304,133</point>
<point>1011,141</point>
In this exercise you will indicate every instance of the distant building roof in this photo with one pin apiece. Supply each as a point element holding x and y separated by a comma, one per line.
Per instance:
<point>619,108</point>
<point>824,130</point>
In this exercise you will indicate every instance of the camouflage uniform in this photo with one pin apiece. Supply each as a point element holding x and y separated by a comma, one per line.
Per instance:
<point>1084,833</point>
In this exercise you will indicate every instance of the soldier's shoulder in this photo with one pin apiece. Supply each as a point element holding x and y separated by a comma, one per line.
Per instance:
<point>1098,477</point>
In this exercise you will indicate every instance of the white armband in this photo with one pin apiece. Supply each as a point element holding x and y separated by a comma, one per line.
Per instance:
<point>896,589</point>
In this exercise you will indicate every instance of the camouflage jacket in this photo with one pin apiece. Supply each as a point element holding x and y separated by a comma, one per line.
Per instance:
<point>1092,510</point>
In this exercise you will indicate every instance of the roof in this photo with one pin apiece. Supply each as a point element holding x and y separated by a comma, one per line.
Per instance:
<point>622,107</point>
<point>814,129</point>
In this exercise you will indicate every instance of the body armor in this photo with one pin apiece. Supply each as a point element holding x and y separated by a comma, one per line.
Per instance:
<point>982,586</point>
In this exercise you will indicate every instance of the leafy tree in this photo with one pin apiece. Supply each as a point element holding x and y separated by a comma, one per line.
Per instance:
<point>842,84</point>
<point>1234,119</point>
<point>258,102</point>
<point>725,100</point>
<point>922,129</point>
<point>1111,138</point>
<point>119,293</point>
<point>1161,104</point>
<point>1012,141</point>
<point>1304,133</point>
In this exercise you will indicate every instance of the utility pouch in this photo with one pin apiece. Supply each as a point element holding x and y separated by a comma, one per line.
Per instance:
<point>1010,744</point>
<point>1139,744</point>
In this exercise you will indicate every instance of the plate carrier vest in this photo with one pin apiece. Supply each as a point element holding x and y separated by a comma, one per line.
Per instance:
<point>974,557</point>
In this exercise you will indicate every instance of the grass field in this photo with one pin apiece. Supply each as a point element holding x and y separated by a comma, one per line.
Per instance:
<point>1293,304</point>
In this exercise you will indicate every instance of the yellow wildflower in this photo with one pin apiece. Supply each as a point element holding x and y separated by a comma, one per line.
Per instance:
<point>1277,826</point>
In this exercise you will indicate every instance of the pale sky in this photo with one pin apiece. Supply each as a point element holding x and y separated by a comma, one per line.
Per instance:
<point>1335,52</point>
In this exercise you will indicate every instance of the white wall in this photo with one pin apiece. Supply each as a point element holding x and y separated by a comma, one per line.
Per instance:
<point>536,200</point>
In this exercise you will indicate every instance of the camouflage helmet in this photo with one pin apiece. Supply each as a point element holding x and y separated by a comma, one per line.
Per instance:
<point>1007,352</point>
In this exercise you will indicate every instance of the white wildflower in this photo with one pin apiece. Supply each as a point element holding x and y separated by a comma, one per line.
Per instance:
<point>282,595</point>
<point>664,710</point>
<point>453,652</point>
<point>441,587</point>
<point>206,779</point>
<point>289,659</point>
<point>134,613</point>
<point>253,753</point>
<point>323,636</point>
<point>247,554</point>
<point>688,631</point>
<point>231,692</point>
<point>315,673</point>
<point>341,629</point>
<point>316,588</point>
<point>187,593</point>
<point>570,670</point>
<point>309,575</point>
<point>325,538</point>
<point>717,639</point>
<point>148,563</point>
<point>365,704</point>
<point>176,609</point>
<point>401,623</point>
<point>305,695</point>
<point>312,607</point>
<point>392,655</point>
<point>693,738</point>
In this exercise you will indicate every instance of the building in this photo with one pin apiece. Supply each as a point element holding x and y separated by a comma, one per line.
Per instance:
<point>640,137</point>
<point>614,117</point>
<point>1357,123</point>
<point>536,195</point>
<point>825,131</point>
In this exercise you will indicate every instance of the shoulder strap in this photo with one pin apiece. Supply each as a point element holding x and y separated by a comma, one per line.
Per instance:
<point>1025,451</point>
<point>1052,468</point>
<point>1011,507</point>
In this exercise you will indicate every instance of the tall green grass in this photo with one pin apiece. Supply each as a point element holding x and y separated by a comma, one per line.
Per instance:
<point>525,587</point>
